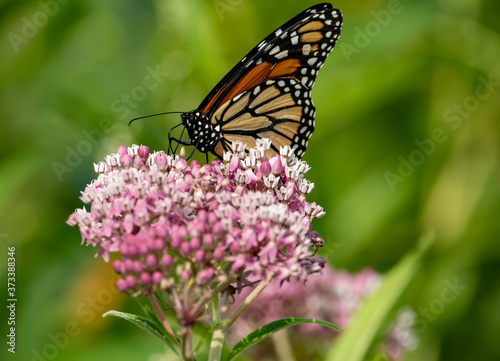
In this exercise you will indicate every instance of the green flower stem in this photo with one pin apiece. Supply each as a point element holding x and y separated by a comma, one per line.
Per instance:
<point>219,333</point>
<point>217,344</point>
<point>186,342</point>
<point>161,316</point>
<point>282,346</point>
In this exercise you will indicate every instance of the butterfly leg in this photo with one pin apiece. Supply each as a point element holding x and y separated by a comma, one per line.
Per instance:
<point>170,138</point>
<point>194,150</point>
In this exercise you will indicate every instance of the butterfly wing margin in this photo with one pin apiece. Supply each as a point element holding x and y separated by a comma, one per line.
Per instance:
<point>280,110</point>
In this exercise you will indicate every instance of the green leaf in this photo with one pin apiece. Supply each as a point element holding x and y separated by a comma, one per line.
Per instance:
<point>355,342</point>
<point>207,334</point>
<point>271,328</point>
<point>148,326</point>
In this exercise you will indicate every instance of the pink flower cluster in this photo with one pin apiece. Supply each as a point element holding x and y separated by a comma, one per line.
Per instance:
<point>181,227</point>
<point>333,297</point>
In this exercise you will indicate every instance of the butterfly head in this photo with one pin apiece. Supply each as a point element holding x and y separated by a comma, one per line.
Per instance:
<point>203,134</point>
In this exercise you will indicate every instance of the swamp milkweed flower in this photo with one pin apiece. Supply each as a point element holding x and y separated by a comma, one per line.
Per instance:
<point>192,232</point>
<point>334,297</point>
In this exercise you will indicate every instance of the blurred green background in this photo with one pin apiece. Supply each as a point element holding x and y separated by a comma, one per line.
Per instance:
<point>407,139</point>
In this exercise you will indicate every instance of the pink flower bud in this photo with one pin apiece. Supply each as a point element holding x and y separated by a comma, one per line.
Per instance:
<point>125,161</point>
<point>161,161</point>
<point>265,167</point>
<point>204,276</point>
<point>199,256</point>
<point>143,152</point>
<point>121,285</point>
<point>131,282</point>
<point>138,163</point>
<point>122,150</point>
<point>166,260</point>
<point>151,261</point>
<point>145,278</point>
<point>157,277</point>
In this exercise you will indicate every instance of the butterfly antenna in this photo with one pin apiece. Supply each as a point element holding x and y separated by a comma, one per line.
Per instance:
<point>153,115</point>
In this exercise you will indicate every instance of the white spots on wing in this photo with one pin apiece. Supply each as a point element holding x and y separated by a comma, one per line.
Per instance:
<point>282,55</point>
<point>274,50</point>
<point>258,61</point>
<point>278,32</point>
<point>295,40</point>
<point>281,83</point>
<point>312,61</point>
<point>256,90</point>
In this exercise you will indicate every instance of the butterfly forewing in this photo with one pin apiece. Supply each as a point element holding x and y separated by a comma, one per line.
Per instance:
<point>296,49</point>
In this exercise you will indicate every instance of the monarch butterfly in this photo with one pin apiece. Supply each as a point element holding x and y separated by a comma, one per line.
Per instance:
<point>268,93</point>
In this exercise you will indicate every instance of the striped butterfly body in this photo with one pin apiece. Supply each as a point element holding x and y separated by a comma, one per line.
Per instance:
<point>268,93</point>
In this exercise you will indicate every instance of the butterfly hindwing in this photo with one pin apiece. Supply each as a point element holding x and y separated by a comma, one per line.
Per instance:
<point>280,110</point>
